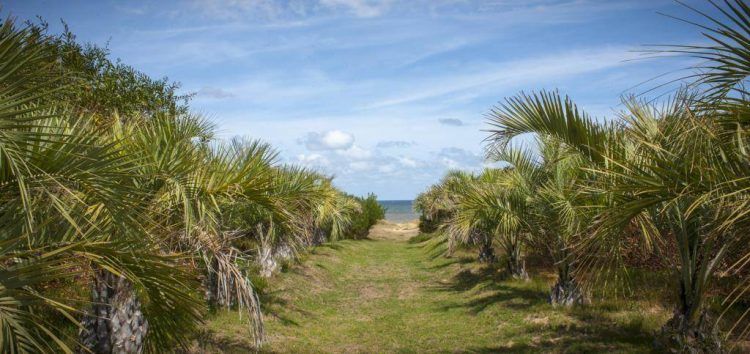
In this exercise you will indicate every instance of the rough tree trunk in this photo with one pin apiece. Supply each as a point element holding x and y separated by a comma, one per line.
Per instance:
<point>566,292</point>
<point>690,330</point>
<point>270,258</point>
<point>515,266</point>
<point>681,335</point>
<point>268,263</point>
<point>115,323</point>
<point>486,252</point>
<point>319,237</point>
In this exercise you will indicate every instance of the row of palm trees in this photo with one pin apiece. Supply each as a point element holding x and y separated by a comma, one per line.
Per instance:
<point>161,220</point>
<point>673,172</point>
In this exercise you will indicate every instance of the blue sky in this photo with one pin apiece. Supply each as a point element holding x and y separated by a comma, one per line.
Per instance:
<point>385,95</point>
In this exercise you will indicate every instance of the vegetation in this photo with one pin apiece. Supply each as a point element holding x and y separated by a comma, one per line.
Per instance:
<point>372,212</point>
<point>124,222</point>
<point>391,293</point>
<point>668,176</point>
<point>110,184</point>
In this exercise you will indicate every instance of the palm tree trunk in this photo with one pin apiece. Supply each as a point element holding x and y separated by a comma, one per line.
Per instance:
<point>115,323</point>
<point>691,330</point>
<point>566,291</point>
<point>486,252</point>
<point>516,267</point>
<point>319,236</point>
<point>683,335</point>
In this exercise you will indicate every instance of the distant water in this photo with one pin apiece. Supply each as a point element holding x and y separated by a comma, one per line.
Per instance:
<point>398,210</point>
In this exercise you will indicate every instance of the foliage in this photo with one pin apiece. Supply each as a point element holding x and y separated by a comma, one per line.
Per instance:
<point>102,87</point>
<point>407,300</point>
<point>372,212</point>
<point>108,181</point>
<point>675,170</point>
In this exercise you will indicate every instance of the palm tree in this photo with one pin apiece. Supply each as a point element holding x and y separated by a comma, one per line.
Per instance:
<point>670,171</point>
<point>552,209</point>
<point>437,203</point>
<point>677,172</point>
<point>144,208</point>
<point>65,197</point>
<point>439,206</point>
<point>490,206</point>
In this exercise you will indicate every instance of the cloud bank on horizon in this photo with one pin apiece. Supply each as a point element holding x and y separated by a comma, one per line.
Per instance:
<point>384,95</point>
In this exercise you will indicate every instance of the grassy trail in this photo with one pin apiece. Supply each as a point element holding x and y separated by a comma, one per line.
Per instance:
<point>385,294</point>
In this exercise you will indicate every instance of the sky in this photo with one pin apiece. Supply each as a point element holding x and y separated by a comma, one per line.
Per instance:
<point>388,95</point>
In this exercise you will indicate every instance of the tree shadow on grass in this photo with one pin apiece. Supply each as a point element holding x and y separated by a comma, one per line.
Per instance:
<point>452,261</point>
<point>596,335</point>
<point>510,297</point>
<point>433,248</point>
<point>209,342</point>
<point>468,279</point>
<point>592,331</point>
<point>277,307</point>
<point>489,282</point>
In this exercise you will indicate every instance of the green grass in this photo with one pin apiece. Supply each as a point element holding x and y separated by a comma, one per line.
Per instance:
<point>393,296</point>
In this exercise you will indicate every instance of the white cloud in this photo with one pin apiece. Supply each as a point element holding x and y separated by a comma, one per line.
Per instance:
<point>512,11</point>
<point>313,160</point>
<point>235,9</point>
<point>360,166</point>
<point>405,161</point>
<point>387,169</point>
<point>356,153</point>
<point>457,158</point>
<point>360,8</point>
<point>330,140</point>
<point>290,9</point>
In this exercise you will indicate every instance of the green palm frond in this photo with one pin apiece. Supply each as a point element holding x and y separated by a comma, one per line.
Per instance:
<point>546,113</point>
<point>725,62</point>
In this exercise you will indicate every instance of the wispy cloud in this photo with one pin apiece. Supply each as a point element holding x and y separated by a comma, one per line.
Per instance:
<point>451,121</point>
<point>360,8</point>
<point>214,92</point>
<point>457,158</point>
<point>410,79</point>
<point>513,74</point>
<point>395,144</point>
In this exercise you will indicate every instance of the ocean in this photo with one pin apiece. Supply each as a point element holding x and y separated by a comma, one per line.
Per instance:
<point>399,210</point>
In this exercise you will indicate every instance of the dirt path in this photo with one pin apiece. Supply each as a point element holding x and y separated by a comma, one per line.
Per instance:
<point>386,294</point>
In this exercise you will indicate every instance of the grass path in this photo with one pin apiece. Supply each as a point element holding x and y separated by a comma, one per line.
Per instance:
<point>385,294</point>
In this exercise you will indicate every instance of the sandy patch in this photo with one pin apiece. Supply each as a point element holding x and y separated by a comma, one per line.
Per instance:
<point>387,230</point>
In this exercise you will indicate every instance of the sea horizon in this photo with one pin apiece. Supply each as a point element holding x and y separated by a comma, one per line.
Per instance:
<point>399,210</point>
